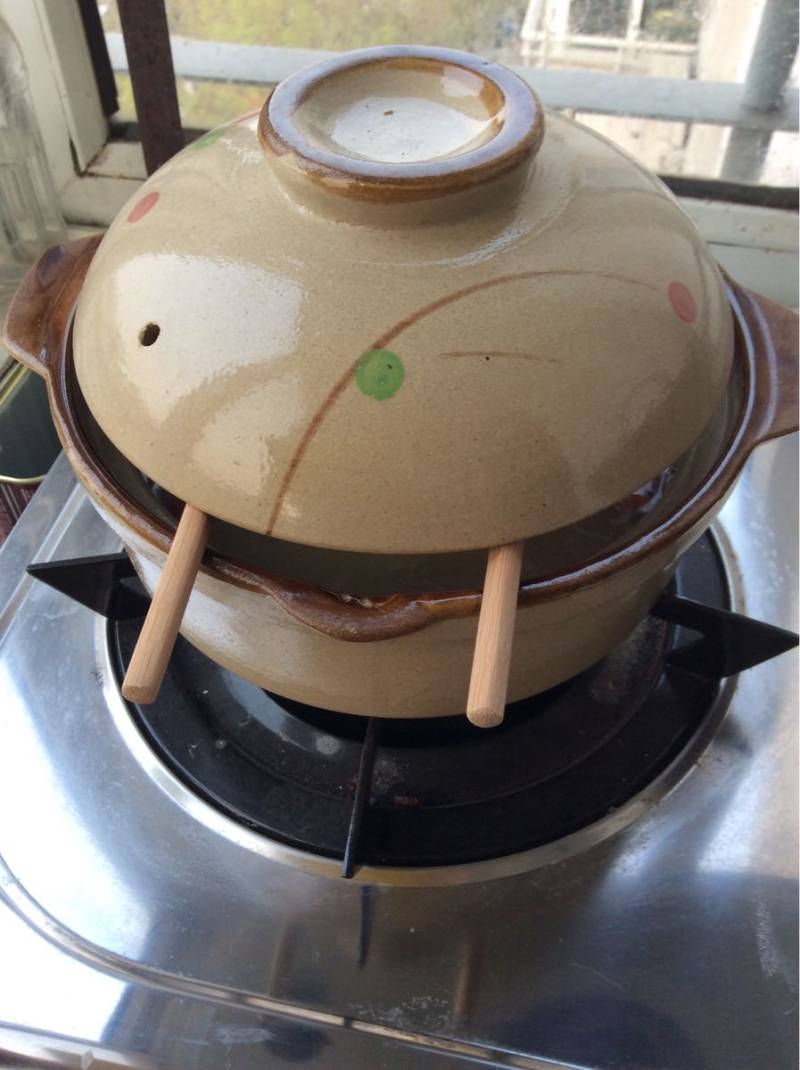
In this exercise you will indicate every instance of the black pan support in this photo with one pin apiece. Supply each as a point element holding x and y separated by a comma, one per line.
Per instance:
<point>729,642</point>
<point>707,642</point>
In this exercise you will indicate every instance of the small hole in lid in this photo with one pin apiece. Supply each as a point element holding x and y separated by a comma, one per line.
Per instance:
<point>149,334</point>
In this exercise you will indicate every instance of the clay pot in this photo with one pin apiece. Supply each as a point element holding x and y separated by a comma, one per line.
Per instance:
<point>395,314</point>
<point>407,654</point>
<point>386,324</point>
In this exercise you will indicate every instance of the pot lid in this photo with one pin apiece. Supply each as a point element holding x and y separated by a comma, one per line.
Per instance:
<point>391,314</point>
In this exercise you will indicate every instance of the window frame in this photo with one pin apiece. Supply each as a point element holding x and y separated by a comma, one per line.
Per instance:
<point>61,81</point>
<point>95,171</point>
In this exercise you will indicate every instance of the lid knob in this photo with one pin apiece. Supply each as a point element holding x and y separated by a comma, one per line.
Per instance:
<point>402,123</point>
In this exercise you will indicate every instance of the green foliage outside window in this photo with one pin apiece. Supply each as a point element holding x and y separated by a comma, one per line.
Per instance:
<point>490,27</point>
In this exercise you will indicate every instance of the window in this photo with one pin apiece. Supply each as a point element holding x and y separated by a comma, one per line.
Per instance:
<point>694,88</point>
<point>662,77</point>
<point>601,18</point>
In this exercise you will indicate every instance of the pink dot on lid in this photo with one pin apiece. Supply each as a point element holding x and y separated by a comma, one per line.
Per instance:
<point>680,297</point>
<point>142,207</point>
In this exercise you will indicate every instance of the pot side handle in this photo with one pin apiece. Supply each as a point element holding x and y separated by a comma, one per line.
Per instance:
<point>775,345</point>
<point>40,310</point>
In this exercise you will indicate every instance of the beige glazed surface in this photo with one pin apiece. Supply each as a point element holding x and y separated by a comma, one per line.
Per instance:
<point>389,315</point>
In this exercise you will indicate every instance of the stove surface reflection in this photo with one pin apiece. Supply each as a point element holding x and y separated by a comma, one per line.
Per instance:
<point>139,918</point>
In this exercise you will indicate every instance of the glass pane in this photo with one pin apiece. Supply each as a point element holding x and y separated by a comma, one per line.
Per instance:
<point>671,20</point>
<point>603,18</point>
<point>203,104</point>
<point>478,25</point>
<point>705,41</point>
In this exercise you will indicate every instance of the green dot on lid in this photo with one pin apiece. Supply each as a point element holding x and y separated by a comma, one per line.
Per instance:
<point>379,373</point>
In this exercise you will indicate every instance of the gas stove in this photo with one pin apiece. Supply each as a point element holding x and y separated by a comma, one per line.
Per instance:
<point>230,880</point>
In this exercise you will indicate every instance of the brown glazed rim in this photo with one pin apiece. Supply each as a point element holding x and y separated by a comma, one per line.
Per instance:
<point>38,332</point>
<point>519,136</point>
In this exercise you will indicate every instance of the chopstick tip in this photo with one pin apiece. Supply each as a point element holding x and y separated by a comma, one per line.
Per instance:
<point>486,717</point>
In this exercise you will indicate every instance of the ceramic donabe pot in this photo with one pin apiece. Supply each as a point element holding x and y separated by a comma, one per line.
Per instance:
<point>400,312</point>
<point>407,655</point>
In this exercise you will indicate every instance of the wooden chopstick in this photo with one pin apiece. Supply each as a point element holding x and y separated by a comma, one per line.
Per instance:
<point>488,683</point>
<point>160,629</point>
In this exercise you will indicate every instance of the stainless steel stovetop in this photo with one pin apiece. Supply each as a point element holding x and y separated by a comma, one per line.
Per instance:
<point>139,927</point>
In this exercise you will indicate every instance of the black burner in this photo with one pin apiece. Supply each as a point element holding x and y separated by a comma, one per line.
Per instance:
<point>440,791</point>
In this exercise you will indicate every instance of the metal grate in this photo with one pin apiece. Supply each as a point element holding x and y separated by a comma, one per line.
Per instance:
<point>642,709</point>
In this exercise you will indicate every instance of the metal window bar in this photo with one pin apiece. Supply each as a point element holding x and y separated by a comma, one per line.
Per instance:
<point>754,110</point>
<point>764,87</point>
<point>145,34</point>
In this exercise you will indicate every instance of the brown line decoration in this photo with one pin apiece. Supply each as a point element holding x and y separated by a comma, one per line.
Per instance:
<point>389,336</point>
<point>499,353</point>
